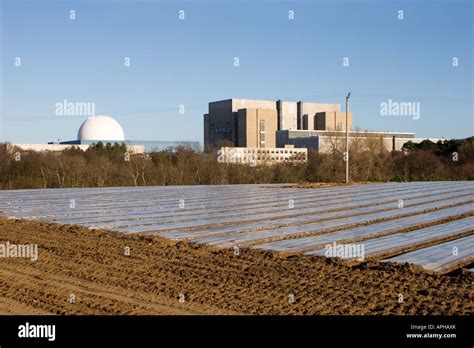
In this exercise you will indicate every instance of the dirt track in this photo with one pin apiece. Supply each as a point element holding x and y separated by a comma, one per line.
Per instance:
<point>92,266</point>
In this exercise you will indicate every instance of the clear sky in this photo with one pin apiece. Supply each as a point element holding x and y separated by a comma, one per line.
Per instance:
<point>191,62</point>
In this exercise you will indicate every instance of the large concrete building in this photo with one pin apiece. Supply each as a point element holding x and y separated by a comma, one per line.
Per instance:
<point>326,141</point>
<point>239,121</point>
<point>260,124</point>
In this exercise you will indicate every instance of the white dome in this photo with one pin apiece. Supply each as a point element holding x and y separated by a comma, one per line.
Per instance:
<point>101,128</point>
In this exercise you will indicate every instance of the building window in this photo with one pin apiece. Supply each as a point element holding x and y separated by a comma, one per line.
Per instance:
<point>262,133</point>
<point>339,126</point>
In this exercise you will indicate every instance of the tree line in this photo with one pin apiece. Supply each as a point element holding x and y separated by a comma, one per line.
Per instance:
<point>111,165</point>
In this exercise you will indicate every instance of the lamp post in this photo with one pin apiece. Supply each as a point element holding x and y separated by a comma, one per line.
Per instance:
<point>347,137</point>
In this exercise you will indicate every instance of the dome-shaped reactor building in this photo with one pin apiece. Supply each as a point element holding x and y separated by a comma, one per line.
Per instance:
<point>106,129</point>
<point>100,128</point>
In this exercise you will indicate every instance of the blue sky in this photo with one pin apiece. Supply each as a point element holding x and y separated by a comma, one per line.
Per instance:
<point>190,62</point>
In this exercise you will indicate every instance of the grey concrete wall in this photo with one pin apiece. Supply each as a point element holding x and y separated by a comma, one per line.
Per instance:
<point>311,143</point>
<point>251,127</point>
<point>252,104</point>
<point>330,120</point>
<point>304,140</point>
<point>242,128</point>
<point>221,123</point>
<point>206,131</point>
<point>282,138</point>
<point>311,109</point>
<point>288,116</point>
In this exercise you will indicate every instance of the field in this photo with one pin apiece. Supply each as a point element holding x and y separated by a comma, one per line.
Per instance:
<point>241,249</point>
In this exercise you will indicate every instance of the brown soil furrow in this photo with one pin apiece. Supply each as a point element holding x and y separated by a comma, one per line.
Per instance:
<point>12,307</point>
<point>81,287</point>
<point>92,265</point>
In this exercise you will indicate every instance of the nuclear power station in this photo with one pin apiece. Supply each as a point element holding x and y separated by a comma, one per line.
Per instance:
<point>269,126</point>
<point>105,129</point>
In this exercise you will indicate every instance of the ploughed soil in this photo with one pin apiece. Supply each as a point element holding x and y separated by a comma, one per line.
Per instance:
<point>82,271</point>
